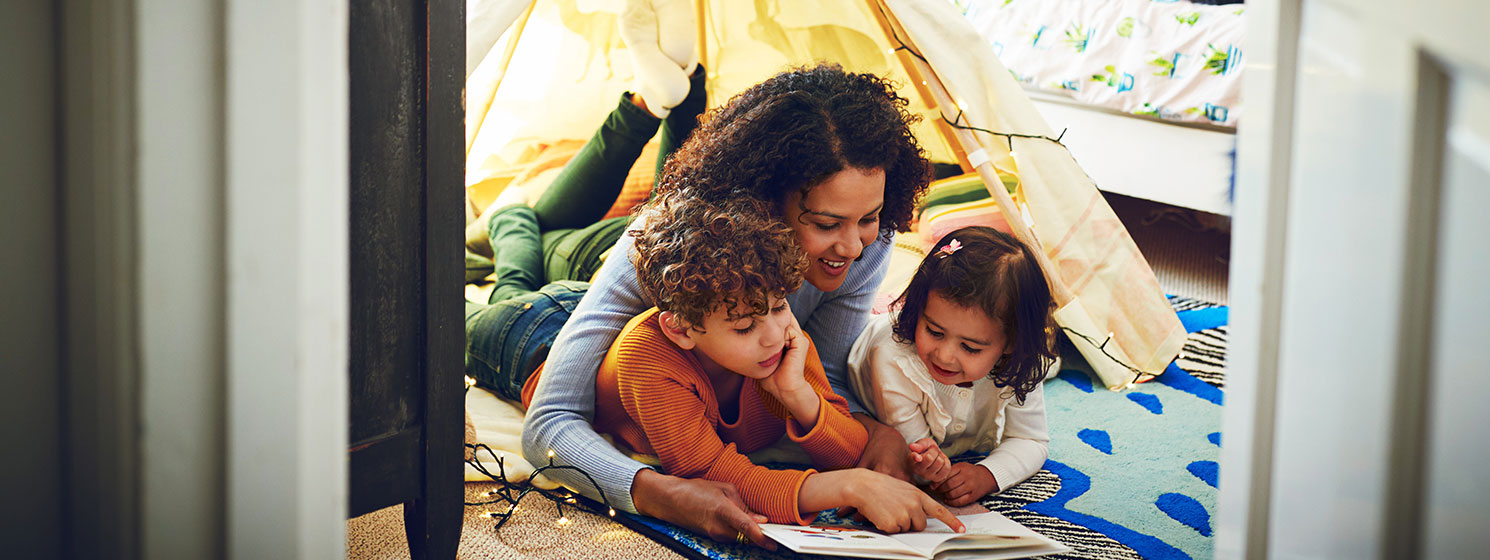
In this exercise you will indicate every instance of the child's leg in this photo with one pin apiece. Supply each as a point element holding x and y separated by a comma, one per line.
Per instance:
<point>506,341</point>
<point>588,185</point>
<point>574,254</point>
<point>517,252</point>
<point>684,118</point>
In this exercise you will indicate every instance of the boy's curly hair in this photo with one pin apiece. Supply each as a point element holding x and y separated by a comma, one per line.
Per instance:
<point>994,272</point>
<point>796,129</point>
<point>694,255</point>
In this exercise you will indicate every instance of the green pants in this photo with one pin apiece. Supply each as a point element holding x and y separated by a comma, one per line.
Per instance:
<point>563,236</point>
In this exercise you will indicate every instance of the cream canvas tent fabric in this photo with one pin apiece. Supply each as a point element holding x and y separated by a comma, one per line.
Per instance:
<point>554,74</point>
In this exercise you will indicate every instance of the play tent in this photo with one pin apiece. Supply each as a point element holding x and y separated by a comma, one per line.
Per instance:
<point>542,75</point>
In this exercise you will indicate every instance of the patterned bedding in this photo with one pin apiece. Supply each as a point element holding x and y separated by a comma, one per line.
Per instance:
<point>1169,59</point>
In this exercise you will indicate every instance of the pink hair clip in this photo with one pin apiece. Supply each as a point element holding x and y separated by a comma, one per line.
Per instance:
<point>950,248</point>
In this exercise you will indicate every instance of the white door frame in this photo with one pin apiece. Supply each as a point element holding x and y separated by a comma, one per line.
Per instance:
<point>1334,236</point>
<point>206,211</point>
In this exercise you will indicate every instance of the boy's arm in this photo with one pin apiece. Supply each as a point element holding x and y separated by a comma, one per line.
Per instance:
<point>675,420</point>
<point>835,324</point>
<point>1026,441</point>
<point>837,321</point>
<point>837,439</point>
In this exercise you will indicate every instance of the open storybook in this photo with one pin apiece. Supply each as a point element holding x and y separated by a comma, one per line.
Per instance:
<point>989,535</point>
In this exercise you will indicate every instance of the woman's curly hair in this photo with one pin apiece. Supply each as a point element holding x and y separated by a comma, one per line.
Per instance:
<point>795,130</point>
<point>991,271</point>
<point>694,255</point>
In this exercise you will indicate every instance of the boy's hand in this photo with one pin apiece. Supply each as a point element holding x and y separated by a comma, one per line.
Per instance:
<point>968,482</point>
<point>789,377</point>
<point>929,462</point>
<point>789,382</point>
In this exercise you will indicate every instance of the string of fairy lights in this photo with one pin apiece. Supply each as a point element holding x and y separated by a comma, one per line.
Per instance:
<point>510,494</point>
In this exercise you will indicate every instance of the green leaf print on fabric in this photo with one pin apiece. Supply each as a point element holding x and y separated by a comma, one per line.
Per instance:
<point>1077,37</point>
<point>1216,60</point>
<point>1125,28</point>
<point>1147,110</point>
<point>1165,64</point>
<point>1188,19</point>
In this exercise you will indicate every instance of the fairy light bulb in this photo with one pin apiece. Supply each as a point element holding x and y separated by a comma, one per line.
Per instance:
<point>563,522</point>
<point>612,512</point>
<point>550,453</point>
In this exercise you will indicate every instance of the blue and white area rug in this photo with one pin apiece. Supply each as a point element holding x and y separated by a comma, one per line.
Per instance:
<point>1130,474</point>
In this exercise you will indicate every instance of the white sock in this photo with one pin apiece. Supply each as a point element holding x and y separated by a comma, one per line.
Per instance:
<point>659,80</point>
<point>677,32</point>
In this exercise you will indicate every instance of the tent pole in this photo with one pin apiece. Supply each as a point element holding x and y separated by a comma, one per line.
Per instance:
<point>1058,289</point>
<point>701,9</point>
<point>880,11</point>
<point>474,125</point>
<point>517,34</point>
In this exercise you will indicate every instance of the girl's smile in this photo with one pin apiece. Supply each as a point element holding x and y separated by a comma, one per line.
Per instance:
<point>957,344</point>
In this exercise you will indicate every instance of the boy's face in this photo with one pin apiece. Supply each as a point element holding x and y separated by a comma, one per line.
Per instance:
<point>751,346</point>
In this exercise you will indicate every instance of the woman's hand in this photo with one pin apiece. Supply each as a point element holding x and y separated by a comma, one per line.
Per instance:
<point>886,452</point>
<point>789,382</point>
<point>704,506</point>
<point>890,504</point>
<point>967,483</point>
<point>929,462</point>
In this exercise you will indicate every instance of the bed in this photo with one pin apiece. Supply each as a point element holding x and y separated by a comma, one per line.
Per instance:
<point>1148,90</point>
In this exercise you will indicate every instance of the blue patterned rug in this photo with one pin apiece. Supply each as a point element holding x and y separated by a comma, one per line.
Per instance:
<point>1130,475</point>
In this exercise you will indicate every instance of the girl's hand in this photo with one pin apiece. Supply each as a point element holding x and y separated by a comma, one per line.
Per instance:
<point>893,505</point>
<point>967,483</point>
<point>929,462</point>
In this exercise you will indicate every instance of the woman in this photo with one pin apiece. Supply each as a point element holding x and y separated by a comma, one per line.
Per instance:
<point>829,151</point>
<point>832,153</point>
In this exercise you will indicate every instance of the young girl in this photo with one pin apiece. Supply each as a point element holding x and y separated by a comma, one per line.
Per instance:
<point>958,367</point>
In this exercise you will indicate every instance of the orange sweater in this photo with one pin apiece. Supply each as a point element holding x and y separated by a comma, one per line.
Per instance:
<point>657,399</point>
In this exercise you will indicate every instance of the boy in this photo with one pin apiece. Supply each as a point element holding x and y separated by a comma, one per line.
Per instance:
<point>719,368</point>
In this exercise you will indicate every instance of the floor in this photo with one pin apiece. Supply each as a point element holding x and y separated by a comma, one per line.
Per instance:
<point>1188,250</point>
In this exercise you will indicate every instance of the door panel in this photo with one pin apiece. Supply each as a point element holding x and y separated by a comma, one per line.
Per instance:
<point>1457,482</point>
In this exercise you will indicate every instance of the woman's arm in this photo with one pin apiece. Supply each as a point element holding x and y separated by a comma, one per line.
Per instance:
<point>563,404</point>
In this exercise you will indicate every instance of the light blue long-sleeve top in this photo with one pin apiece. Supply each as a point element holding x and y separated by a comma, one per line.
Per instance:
<point>563,404</point>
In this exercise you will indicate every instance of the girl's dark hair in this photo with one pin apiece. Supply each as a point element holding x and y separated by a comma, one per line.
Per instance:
<point>796,129</point>
<point>994,272</point>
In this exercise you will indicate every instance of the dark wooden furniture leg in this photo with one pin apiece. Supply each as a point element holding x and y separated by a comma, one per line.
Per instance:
<point>407,70</point>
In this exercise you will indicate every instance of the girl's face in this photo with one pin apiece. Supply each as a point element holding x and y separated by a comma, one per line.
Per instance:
<point>836,221</point>
<point>957,344</point>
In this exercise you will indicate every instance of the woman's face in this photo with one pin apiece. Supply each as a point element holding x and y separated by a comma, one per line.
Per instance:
<point>837,219</point>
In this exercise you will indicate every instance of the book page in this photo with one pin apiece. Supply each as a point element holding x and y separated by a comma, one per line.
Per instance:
<point>840,541</point>
<point>985,532</point>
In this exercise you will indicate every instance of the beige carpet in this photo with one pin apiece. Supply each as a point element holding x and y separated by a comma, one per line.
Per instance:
<point>1189,252</point>
<point>531,534</point>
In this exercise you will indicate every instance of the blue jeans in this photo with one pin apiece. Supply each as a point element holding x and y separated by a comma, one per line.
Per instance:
<point>507,340</point>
